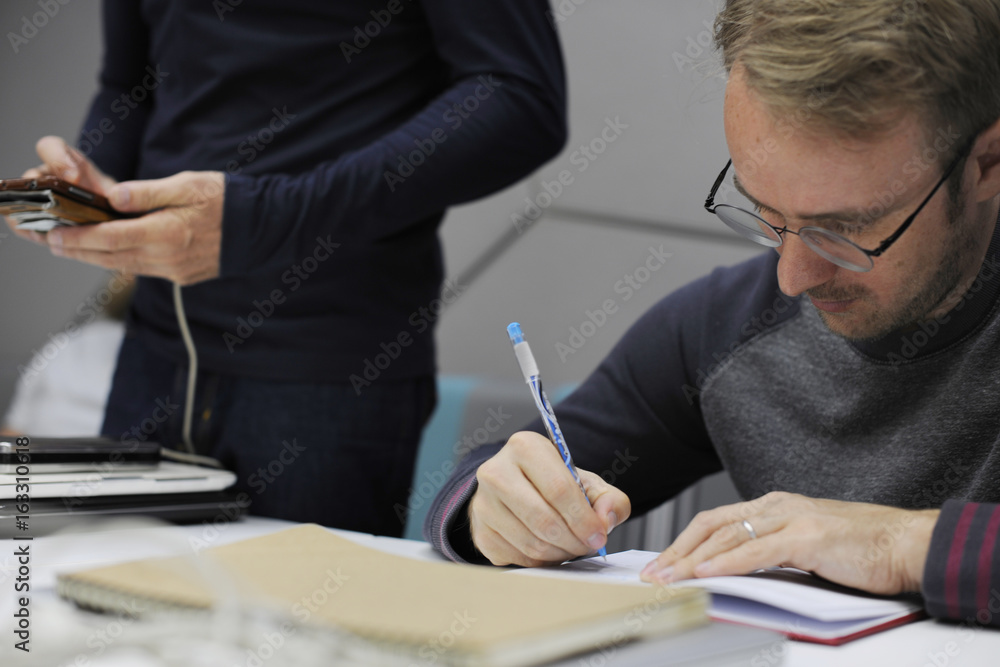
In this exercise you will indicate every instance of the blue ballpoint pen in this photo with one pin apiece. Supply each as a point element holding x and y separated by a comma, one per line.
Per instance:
<point>529,369</point>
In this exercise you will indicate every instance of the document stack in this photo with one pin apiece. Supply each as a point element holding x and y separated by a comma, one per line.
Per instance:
<point>49,483</point>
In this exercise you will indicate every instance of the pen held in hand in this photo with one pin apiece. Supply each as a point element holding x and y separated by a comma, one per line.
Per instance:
<point>529,369</point>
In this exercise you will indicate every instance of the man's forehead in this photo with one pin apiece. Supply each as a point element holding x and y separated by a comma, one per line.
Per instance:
<point>908,133</point>
<point>766,146</point>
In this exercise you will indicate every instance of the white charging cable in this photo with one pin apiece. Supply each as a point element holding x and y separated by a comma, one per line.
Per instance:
<point>192,367</point>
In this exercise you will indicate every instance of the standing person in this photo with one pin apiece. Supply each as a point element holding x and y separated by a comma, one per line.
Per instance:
<point>293,161</point>
<point>847,382</point>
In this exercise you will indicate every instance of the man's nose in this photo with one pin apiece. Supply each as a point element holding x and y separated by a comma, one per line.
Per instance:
<point>800,269</point>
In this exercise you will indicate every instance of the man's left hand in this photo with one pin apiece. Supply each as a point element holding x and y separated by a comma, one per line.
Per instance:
<point>871,547</point>
<point>178,237</point>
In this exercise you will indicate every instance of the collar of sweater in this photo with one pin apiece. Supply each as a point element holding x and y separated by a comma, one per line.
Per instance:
<point>932,336</point>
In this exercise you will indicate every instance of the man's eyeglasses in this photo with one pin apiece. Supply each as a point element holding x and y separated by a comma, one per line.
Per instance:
<point>828,245</point>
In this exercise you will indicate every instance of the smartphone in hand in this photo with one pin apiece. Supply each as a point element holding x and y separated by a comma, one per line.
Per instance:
<point>43,203</point>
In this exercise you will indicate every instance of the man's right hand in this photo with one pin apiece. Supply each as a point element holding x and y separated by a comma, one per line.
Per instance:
<point>529,511</point>
<point>61,160</point>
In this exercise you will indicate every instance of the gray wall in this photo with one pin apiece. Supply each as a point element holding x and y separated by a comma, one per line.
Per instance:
<point>47,85</point>
<point>644,64</point>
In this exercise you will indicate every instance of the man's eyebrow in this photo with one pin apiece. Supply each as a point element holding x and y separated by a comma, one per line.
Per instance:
<point>760,206</point>
<point>858,217</point>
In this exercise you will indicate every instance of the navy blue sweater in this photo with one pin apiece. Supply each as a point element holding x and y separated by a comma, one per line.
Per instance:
<point>345,129</point>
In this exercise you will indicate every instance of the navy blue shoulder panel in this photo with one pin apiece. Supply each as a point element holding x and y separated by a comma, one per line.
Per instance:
<point>637,419</point>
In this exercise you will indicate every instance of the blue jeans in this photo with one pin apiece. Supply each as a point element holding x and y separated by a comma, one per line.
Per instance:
<point>302,451</point>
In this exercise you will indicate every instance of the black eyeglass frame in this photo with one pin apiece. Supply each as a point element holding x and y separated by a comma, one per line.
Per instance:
<point>711,206</point>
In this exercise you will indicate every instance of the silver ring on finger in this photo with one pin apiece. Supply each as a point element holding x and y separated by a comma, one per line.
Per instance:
<point>750,530</point>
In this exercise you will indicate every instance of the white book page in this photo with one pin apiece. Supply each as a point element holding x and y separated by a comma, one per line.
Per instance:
<point>787,588</point>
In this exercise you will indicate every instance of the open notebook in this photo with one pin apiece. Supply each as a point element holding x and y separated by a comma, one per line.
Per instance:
<point>402,609</point>
<point>790,601</point>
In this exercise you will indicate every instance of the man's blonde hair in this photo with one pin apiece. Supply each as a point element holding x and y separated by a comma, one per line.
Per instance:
<point>856,66</point>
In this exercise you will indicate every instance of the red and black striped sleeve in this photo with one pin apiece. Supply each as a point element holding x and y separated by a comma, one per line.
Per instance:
<point>962,574</point>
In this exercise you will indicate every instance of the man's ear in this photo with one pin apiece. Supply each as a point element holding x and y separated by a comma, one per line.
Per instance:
<point>986,157</point>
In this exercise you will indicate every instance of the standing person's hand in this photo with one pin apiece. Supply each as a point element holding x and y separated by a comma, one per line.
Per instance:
<point>177,236</point>
<point>61,160</point>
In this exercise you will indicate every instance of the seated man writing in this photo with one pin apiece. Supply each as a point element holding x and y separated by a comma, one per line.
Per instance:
<point>850,382</point>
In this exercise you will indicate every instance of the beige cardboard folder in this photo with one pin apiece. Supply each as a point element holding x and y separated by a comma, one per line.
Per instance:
<point>459,614</point>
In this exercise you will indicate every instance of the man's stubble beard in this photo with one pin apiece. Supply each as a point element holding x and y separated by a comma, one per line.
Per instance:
<point>917,306</point>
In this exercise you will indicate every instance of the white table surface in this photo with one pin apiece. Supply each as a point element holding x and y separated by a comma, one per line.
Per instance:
<point>918,644</point>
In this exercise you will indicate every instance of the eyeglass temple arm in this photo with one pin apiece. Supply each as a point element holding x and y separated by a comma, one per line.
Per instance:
<point>710,200</point>
<point>884,245</point>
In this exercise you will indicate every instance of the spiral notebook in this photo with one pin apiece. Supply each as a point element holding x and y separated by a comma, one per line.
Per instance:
<point>402,609</point>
